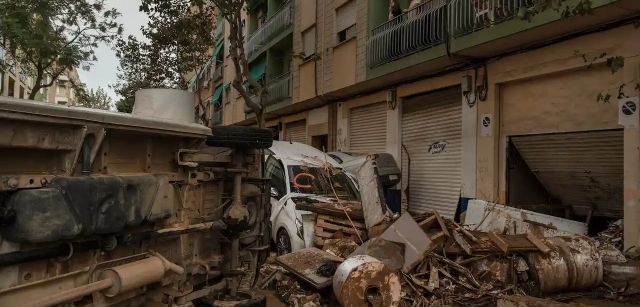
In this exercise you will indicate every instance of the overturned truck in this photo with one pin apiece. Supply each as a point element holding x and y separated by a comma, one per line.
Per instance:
<point>146,209</point>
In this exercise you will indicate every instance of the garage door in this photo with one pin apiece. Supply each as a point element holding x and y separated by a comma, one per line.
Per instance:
<point>368,128</point>
<point>296,131</point>
<point>580,168</point>
<point>432,136</point>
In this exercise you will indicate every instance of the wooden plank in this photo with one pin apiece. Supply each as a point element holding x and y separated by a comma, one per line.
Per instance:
<point>428,222</point>
<point>341,221</point>
<point>539,244</point>
<point>495,238</point>
<point>347,230</point>
<point>321,233</point>
<point>462,242</point>
<point>331,210</point>
<point>442,224</point>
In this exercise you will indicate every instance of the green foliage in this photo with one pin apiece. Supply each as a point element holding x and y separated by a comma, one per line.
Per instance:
<point>98,99</point>
<point>124,105</point>
<point>177,40</point>
<point>49,37</point>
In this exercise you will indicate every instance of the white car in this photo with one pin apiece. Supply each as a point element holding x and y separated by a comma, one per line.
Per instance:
<point>297,173</point>
<point>390,173</point>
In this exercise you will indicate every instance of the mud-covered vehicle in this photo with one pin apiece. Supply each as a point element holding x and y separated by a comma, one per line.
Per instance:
<point>108,209</point>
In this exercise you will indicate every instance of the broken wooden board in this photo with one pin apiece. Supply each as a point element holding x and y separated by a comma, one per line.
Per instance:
<point>332,210</point>
<point>485,244</point>
<point>539,244</point>
<point>328,226</point>
<point>304,264</point>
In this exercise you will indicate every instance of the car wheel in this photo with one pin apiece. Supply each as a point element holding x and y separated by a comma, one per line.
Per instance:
<point>283,242</point>
<point>240,137</point>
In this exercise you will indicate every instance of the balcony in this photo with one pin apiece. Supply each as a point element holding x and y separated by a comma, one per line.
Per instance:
<point>474,28</point>
<point>217,73</point>
<point>468,16</point>
<point>421,28</point>
<point>219,31</point>
<point>280,21</point>
<point>279,89</point>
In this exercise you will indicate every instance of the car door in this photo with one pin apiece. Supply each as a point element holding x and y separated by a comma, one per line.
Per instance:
<point>280,217</point>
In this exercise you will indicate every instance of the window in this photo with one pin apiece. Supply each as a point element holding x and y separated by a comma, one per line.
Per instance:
<point>12,88</point>
<point>335,158</point>
<point>309,43</point>
<point>317,181</point>
<point>275,173</point>
<point>21,93</point>
<point>346,22</point>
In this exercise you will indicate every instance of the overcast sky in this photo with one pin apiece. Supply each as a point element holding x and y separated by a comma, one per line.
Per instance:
<point>103,72</point>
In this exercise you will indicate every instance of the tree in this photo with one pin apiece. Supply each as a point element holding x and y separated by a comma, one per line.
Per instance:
<point>178,39</point>
<point>124,105</point>
<point>50,37</point>
<point>98,99</point>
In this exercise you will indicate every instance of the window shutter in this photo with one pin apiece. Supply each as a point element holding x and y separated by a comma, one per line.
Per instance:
<point>309,42</point>
<point>346,16</point>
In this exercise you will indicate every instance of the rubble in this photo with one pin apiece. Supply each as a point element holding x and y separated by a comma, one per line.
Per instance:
<point>506,257</point>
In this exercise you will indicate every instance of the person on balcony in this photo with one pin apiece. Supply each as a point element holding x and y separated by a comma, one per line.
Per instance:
<point>413,9</point>
<point>394,9</point>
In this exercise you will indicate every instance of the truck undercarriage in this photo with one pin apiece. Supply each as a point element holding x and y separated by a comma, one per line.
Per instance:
<point>109,209</point>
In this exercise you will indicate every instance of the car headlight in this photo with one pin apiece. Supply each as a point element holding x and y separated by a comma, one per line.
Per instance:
<point>299,229</point>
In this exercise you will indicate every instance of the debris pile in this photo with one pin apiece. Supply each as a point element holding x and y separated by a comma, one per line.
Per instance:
<point>366,256</point>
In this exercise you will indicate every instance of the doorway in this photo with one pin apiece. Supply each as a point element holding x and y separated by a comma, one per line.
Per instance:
<point>320,142</point>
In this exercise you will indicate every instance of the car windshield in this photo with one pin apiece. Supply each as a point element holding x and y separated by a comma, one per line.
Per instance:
<point>318,181</point>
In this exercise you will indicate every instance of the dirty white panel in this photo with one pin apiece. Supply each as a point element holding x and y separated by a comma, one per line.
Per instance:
<point>309,228</point>
<point>368,128</point>
<point>296,131</point>
<point>490,217</point>
<point>432,135</point>
<point>580,168</point>
<point>371,193</point>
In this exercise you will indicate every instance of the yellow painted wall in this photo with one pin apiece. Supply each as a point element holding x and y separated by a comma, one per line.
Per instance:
<point>307,81</point>
<point>344,66</point>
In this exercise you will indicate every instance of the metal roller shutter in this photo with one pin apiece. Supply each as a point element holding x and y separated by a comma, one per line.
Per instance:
<point>296,131</point>
<point>432,135</point>
<point>368,128</point>
<point>580,168</point>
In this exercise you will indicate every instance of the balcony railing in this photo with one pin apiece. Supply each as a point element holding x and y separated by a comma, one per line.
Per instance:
<point>279,89</point>
<point>468,16</point>
<point>217,73</point>
<point>418,29</point>
<point>427,25</point>
<point>274,26</point>
<point>219,31</point>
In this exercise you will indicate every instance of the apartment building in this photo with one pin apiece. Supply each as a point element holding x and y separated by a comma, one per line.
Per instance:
<point>62,91</point>
<point>15,81</point>
<point>473,100</point>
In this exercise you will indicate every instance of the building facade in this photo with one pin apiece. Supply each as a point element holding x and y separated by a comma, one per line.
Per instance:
<point>62,91</point>
<point>15,81</point>
<point>475,99</point>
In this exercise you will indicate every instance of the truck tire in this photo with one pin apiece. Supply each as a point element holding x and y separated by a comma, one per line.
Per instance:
<point>240,137</point>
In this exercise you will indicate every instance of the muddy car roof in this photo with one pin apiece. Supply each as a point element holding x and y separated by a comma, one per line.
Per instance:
<point>298,153</point>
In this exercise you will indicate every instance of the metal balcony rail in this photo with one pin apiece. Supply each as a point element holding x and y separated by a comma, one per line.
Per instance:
<point>279,89</point>
<point>418,29</point>
<point>274,26</point>
<point>217,73</point>
<point>467,16</point>
<point>219,31</point>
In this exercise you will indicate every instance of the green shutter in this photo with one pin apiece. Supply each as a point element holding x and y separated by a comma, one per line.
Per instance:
<point>218,49</point>
<point>258,68</point>
<point>217,95</point>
